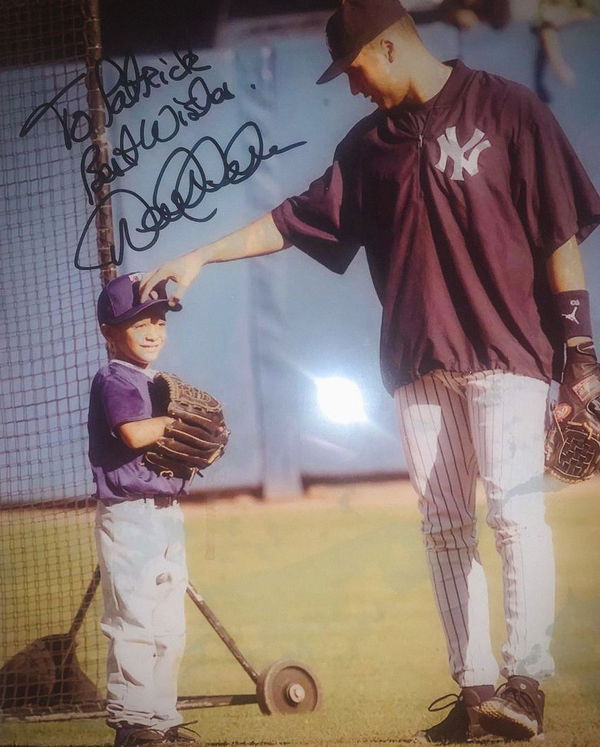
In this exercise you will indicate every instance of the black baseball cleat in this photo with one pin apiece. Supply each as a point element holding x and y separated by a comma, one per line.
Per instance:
<point>181,734</point>
<point>462,722</point>
<point>516,712</point>
<point>138,735</point>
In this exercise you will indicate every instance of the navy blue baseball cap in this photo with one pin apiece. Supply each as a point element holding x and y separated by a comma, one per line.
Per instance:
<point>354,24</point>
<point>120,299</point>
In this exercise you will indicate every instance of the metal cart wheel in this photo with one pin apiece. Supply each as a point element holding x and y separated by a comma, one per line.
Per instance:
<point>287,687</point>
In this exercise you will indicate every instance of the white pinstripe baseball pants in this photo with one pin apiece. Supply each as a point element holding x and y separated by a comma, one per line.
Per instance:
<point>455,427</point>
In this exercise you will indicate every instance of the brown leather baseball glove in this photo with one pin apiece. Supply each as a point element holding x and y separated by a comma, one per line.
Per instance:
<point>572,449</point>
<point>197,436</point>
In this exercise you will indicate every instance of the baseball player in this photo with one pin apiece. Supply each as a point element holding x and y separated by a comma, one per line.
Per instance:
<point>139,524</point>
<point>470,204</point>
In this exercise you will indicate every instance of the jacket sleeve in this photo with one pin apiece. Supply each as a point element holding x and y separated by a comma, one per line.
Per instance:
<point>553,194</point>
<point>323,221</point>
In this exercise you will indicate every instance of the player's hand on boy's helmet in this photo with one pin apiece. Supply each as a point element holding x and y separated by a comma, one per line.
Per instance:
<point>182,271</point>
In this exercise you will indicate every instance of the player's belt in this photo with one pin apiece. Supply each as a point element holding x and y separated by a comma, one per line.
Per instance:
<point>160,501</point>
<point>164,501</point>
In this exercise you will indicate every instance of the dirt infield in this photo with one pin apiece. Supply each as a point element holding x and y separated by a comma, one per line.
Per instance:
<point>376,492</point>
<point>319,495</point>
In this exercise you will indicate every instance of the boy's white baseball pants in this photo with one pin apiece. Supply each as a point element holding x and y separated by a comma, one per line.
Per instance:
<point>141,552</point>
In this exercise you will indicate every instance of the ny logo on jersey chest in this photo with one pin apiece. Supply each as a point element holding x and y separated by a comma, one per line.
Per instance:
<point>450,148</point>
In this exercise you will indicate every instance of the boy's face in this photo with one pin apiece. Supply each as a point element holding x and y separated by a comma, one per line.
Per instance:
<point>139,340</point>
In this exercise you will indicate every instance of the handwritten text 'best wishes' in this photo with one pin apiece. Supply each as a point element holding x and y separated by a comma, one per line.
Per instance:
<point>186,177</point>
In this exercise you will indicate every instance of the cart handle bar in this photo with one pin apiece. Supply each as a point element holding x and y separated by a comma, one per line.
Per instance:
<point>221,632</point>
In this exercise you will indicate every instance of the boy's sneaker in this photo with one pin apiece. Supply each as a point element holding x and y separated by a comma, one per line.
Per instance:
<point>181,734</point>
<point>516,711</point>
<point>138,735</point>
<point>462,723</point>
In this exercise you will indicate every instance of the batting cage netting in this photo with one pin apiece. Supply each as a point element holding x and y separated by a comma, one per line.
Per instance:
<point>51,650</point>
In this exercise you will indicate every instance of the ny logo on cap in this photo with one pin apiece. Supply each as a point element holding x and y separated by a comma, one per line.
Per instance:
<point>449,148</point>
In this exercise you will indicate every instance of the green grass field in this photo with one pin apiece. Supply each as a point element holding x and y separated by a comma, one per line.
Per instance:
<point>339,582</point>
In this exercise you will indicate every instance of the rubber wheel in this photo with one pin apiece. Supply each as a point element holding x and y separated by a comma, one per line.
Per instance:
<point>287,687</point>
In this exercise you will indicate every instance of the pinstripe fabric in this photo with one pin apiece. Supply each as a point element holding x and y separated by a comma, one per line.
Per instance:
<point>455,427</point>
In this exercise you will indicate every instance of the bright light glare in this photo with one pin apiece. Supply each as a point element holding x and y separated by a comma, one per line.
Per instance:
<point>340,400</point>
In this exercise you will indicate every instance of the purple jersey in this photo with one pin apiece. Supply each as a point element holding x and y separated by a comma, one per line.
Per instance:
<point>458,202</point>
<point>122,393</point>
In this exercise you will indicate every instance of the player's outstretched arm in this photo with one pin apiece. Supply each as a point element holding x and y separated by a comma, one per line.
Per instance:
<point>256,239</point>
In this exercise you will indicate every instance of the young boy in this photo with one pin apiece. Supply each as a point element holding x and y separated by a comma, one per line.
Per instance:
<point>139,524</point>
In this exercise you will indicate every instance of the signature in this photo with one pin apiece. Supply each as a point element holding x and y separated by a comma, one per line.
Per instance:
<point>133,82</point>
<point>185,179</point>
<point>163,128</point>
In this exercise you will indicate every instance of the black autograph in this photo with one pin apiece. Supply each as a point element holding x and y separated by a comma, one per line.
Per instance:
<point>189,171</point>
<point>186,177</point>
<point>133,82</point>
<point>165,127</point>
